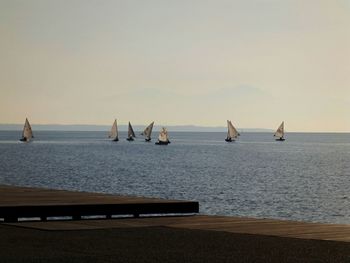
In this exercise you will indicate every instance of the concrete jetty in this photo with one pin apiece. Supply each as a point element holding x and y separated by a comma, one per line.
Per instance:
<point>25,202</point>
<point>155,230</point>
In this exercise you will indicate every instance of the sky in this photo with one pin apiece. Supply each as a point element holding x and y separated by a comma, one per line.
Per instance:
<point>200,62</point>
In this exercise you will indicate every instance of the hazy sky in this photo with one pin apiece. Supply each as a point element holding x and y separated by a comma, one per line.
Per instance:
<point>256,62</point>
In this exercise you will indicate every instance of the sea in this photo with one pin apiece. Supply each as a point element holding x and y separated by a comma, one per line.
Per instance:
<point>305,178</point>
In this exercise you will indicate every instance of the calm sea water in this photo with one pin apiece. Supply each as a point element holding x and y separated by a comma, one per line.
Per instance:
<point>307,177</point>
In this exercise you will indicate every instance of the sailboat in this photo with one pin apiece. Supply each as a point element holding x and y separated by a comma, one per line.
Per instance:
<point>280,133</point>
<point>232,133</point>
<point>27,133</point>
<point>147,132</point>
<point>131,134</point>
<point>114,131</point>
<point>163,138</point>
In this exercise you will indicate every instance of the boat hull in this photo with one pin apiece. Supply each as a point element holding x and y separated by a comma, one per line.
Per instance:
<point>162,143</point>
<point>280,140</point>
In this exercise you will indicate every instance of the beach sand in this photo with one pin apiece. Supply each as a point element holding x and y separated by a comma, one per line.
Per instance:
<point>160,244</point>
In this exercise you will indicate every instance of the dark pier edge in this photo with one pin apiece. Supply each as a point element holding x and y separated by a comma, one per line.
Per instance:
<point>11,214</point>
<point>20,202</point>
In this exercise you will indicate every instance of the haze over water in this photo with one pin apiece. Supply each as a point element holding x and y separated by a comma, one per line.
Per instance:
<point>256,62</point>
<point>307,177</point>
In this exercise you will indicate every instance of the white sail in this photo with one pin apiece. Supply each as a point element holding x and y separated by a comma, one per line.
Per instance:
<point>27,131</point>
<point>280,131</point>
<point>148,131</point>
<point>232,132</point>
<point>114,131</point>
<point>235,130</point>
<point>163,135</point>
<point>131,133</point>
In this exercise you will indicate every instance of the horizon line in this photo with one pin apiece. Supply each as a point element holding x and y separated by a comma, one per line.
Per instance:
<point>50,127</point>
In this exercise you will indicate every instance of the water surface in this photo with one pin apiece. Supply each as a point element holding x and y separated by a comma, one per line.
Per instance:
<point>307,177</point>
